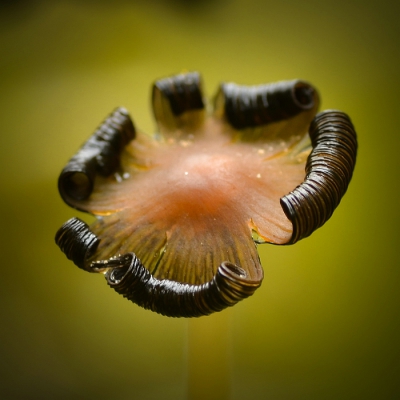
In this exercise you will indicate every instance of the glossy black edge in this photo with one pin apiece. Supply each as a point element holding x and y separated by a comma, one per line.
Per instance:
<point>77,242</point>
<point>100,154</point>
<point>329,170</point>
<point>134,281</point>
<point>252,106</point>
<point>182,91</point>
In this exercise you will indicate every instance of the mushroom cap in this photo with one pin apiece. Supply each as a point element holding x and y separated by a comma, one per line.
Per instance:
<point>205,189</point>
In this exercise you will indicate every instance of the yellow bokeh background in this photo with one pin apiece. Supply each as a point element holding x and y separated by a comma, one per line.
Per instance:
<point>324,324</point>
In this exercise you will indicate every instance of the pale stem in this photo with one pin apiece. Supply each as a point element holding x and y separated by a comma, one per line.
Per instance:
<point>209,356</point>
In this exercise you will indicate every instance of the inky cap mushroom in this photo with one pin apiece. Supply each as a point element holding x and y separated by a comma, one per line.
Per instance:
<point>180,213</point>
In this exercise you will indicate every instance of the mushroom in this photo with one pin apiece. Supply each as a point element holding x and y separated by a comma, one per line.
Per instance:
<point>180,213</point>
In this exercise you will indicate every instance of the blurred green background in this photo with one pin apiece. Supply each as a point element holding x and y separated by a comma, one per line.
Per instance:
<point>325,323</point>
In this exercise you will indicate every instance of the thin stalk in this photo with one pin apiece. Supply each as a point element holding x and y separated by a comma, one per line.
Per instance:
<point>209,357</point>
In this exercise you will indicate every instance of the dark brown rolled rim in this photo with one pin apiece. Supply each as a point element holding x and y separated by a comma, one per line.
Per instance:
<point>100,154</point>
<point>252,106</point>
<point>303,95</point>
<point>77,242</point>
<point>232,271</point>
<point>236,277</point>
<point>182,91</point>
<point>76,182</point>
<point>329,170</point>
<point>117,274</point>
<point>132,280</point>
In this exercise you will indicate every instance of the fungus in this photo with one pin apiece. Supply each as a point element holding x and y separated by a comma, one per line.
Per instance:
<point>180,213</point>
